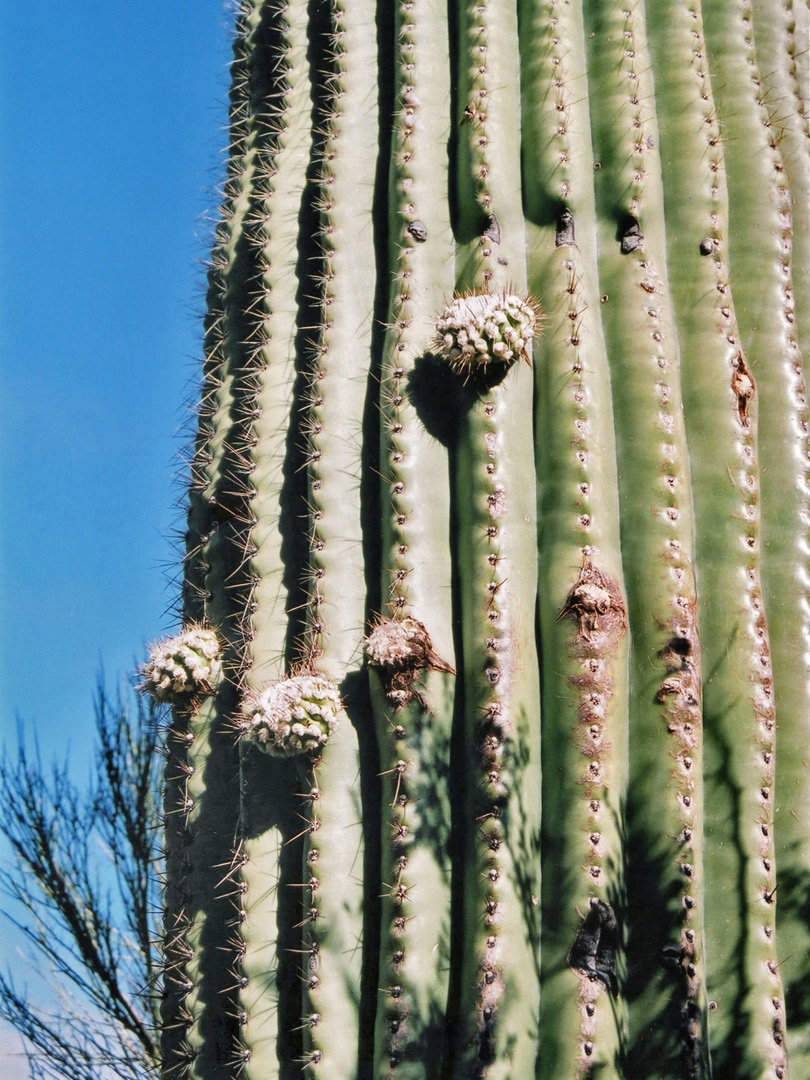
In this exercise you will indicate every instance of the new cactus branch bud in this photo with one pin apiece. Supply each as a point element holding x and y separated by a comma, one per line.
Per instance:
<point>184,666</point>
<point>484,331</point>
<point>292,717</point>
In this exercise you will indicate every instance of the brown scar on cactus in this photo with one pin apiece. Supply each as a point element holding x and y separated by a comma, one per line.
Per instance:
<point>630,235</point>
<point>483,334</point>
<point>492,229</point>
<point>743,388</point>
<point>564,234</point>
<point>596,604</point>
<point>400,650</point>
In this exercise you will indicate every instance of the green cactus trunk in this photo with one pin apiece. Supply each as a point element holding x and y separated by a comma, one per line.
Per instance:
<point>526,645</point>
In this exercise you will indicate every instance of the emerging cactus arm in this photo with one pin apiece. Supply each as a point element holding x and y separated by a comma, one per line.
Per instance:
<point>665,799</point>
<point>414,708</point>
<point>585,653</point>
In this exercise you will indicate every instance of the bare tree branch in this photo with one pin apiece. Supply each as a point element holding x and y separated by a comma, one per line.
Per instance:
<point>83,890</point>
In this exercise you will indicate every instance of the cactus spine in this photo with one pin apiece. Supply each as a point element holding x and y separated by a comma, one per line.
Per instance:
<point>421,571</point>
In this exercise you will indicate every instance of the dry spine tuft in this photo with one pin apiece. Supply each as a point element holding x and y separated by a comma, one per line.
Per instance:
<point>400,649</point>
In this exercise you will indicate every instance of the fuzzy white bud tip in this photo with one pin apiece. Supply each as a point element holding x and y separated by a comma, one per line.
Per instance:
<point>295,716</point>
<point>486,328</point>
<point>182,667</point>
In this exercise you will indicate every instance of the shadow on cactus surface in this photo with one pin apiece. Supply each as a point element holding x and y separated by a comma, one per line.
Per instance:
<point>498,519</point>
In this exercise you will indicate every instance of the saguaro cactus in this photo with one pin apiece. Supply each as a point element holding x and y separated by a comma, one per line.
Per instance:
<point>490,741</point>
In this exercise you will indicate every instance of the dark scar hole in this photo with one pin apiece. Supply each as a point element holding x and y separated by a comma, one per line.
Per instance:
<point>564,234</point>
<point>628,233</point>
<point>418,230</point>
<point>486,1037</point>
<point>492,229</point>
<point>681,646</point>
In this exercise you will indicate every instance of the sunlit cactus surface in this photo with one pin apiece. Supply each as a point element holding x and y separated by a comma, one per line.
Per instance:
<point>488,721</point>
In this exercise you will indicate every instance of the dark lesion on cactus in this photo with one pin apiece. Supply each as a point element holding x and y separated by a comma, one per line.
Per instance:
<point>680,689</point>
<point>595,947</point>
<point>629,234</point>
<point>400,650</point>
<point>743,388</point>
<point>418,230</point>
<point>492,229</point>
<point>564,233</point>
<point>486,1035</point>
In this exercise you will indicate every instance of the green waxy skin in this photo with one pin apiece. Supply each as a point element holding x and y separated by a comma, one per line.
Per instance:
<point>333,857</point>
<point>722,414</point>
<point>604,530</point>
<point>667,1004</point>
<point>414,732</point>
<point>496,568</point>
<point>416,904</point>
<point>200,1026</point>
<point>771,318</point>
<point>261,964</point>
<point>585,703</point>
<point>499,954</point>
<point>781,32</point>
<point>585,663</point>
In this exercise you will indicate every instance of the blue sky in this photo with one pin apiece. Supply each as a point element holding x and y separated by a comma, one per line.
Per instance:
<point>111,118</point>
<point>111,121</point>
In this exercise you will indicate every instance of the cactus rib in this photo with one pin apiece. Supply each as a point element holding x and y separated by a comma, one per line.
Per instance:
<point>333,849</point>
<point>665,798</point>
<point>413,724</point>
<point>278,86</point>
<point>720,406</point>
<point>495,990</point>
<point>207,759</point>
<point>585,670</point>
